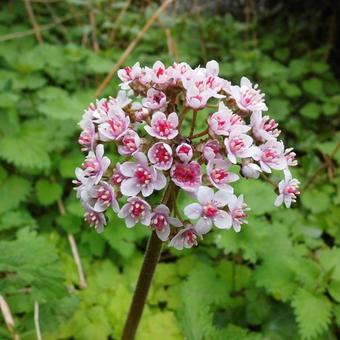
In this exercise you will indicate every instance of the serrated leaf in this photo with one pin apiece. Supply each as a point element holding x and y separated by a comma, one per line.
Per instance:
<point>26,148</point>
<point>13,191</point>
<point>34,263</point>
<point>277,277</point>
<point>47,192</point>
<point>312,311</point>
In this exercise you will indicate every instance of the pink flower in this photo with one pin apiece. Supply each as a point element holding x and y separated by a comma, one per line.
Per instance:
<point>187,176</point>
<point>104,196</point>
<point>178,71</point>
<point>117,176</point>
<point>130,143</point>
<point>288,190</point>
<point>84,185</point>
<point>237,210</point>
<point>129,74</point>
<point>239,145</point>
<point>211,149</point>
<point>247,97</point>
<point>184,152</point>
<point>155,100</point>
<point>95,219</point>
<point>96,164</point>
<point>162,126</point>
<point>271,155</point>
<point>196,99</point>
<point>159,75</point>
<point>222,121</point>
<point>87,138</point>
<point>219,176</point>
<point>207,210</point>
<point>160,155</point>
<point>161,221</point>
<point>250,169</point>
<point>134,211</point>
<point>290,157</point>
<point>185,238</point>
<point>114,125</point>
<point>140,177</point>
<point>263,128</point>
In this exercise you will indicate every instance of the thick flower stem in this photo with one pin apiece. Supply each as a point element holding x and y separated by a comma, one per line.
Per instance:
<point>151,257</point>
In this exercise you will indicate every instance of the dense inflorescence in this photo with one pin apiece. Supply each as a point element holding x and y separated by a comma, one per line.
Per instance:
<point>145,124</point>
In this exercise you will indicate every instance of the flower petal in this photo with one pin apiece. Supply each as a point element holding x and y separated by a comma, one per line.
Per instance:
<point>193,210</point>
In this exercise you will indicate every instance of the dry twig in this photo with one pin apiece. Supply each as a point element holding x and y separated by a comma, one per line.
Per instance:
<point>8,318</point>
<point>34,23</point>
<point>36,321</point>
<point>132,46</point>
<point>74,249</point>
<point>17,35</point>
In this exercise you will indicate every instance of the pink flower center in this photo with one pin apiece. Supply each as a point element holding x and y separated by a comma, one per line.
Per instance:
<point>91,166</point>
<point>161,155</point>
<point>117,126</point>
<point>209,211</point>
<point>92,218</point>
<point>210,81</point>
<point>250,96</point>
<point>190,237</point>
<point>159,221</point>
<point>237,144</point>
<point>184,149</point>
<point>238,214</point>
<point>137,210</point>
<point>214,146</point>
<point>219,175</point>
<point>158,97</point>
<point>163,127</point>
<point>269,155</point>
<point>291,190</point>
<point>117,178</point>
<point>104,195</point>
<point>142,175</point>
<point>236,119</point>
<point>129,143</point>
<point>160,72</point>
<point>185,174</point>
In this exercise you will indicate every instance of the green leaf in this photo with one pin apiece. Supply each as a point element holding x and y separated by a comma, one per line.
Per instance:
<point>279,108</point>
<point>26,148</point>
<point>313,313</point>
<point>277,277</point>
<point>252,190</point>
<point>58,104</point>
<point>47,192</point>
<point>313,86</point>
<point>316,200</point>
<point>34,263</point>
<point>13,191</point>
<point>311,110</point>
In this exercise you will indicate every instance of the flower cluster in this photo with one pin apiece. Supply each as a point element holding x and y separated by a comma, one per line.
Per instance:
<point>145,126</point>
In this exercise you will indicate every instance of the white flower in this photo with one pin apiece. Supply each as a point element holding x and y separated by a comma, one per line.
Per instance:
<point>161,221</point>
<point>237,210</point>
<point>288,190</point>
<point>141,177</point>
<point>247,97</point>
<point>207,210</point>
<point>185,238</point>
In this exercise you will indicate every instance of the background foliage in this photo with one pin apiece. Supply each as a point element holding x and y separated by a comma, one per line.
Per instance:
<point>278,279</point>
